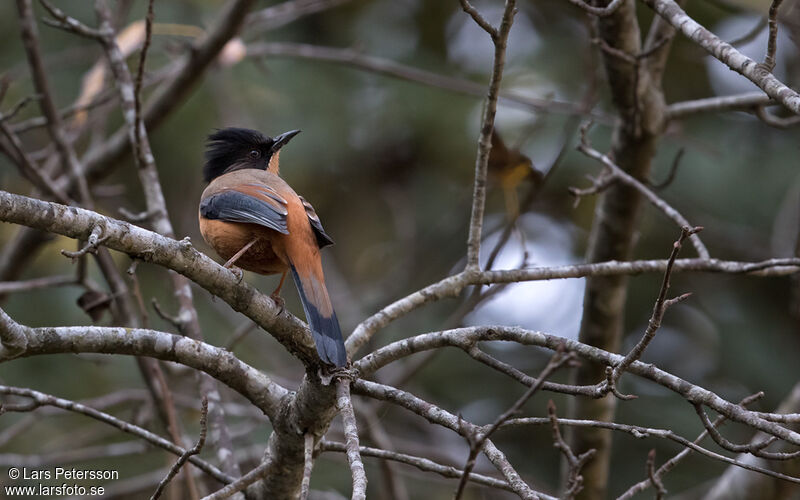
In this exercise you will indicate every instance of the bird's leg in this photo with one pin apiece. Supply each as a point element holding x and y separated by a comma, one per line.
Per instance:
<point>276,294</point>
<point>232,260</point>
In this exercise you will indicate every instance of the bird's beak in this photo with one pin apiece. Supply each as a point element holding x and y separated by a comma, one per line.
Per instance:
<point>280,140</point>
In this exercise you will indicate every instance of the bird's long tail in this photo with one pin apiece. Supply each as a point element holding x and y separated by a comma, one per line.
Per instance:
<point>320,315</point>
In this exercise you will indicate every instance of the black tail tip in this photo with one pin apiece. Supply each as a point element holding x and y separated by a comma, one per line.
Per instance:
<point>331,350</point>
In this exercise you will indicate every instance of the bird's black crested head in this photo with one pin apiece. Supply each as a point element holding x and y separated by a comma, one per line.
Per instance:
<point>232,149</point>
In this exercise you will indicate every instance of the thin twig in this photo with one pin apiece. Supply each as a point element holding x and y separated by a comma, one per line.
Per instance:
<point>585,147</point>
<point>737,102</point>
<point>776,121</point>
<point>137,89</point>
<point>387,67</point>
<point>96,238</point>
<point>500,40</point>
<point>187,454</point>
<point>30,40</point>
<point>772,41</point>
<point>7,287</point>
<point>41,399</point>
<point>655,480</point>
<point>137,292</point>
<point>16,108</point>
<point>174,320</point>
<point>421,463</point>
<point>689,448</point>
<point>242,483</point>
<point>575,463</point>
<point>673,171</point>
<point>479,19</point>
<point>437,415</point>
<point>477,440</point>
<point>660,307</point>
<point>28,166</point>
<point>755,449</point>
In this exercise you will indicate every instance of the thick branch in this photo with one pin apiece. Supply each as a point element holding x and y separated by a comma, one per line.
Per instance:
<point>220,364</point>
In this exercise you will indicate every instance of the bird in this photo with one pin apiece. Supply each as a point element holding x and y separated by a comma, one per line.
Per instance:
<point>252,218</point>
<point>509,167</point>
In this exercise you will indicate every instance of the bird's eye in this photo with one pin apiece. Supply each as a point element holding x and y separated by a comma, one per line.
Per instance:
<point>254,154</point>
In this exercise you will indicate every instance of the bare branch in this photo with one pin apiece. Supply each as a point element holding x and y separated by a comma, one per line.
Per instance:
<point>345,407</point>
<point>439,416</point>
<point>279,15</point>
<point>476,438</point>
<point>179,256</point>
<point>93,242</point>
<point>137,89</point>
<point>692,393</point>
<point>388,67</point>
<point>242,483</point>
<point>16,108</point>
<point>726,54</point>
<point>173,471</point>
<point>453,285</point>
<point>67,23</point>
<point>659,309</point>
<point>651,474</point>
<point>608,10</point>
<point>575,463</point>
<point>775,121</point>
<point>30,40</point>
<point>756,449</point>
<point>653,198</point>
<point>28,166</point>
<point>420,463</point>
<point>41,399</point>
<point>251,383</point>
<point>739,102</point>
<point>308,465</point>
<point>674,461</point>
<point>500,40</point>
<point>772,42</point>
<point>7,287</point>
<point>479,19</point>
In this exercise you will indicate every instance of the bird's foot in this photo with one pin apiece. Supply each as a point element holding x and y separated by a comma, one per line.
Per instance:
<point>279,302</point>
<point>236,272</point>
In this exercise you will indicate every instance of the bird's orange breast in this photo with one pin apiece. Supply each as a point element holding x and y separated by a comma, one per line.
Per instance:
<point>227,238</point>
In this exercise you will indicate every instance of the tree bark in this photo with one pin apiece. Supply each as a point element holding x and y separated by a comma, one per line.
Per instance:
<point>640,104</point>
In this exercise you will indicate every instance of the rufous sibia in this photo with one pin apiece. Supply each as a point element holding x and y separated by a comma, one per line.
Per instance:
<point>255,220</point>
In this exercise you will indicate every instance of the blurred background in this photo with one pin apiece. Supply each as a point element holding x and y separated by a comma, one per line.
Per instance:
<point>388,165</point>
